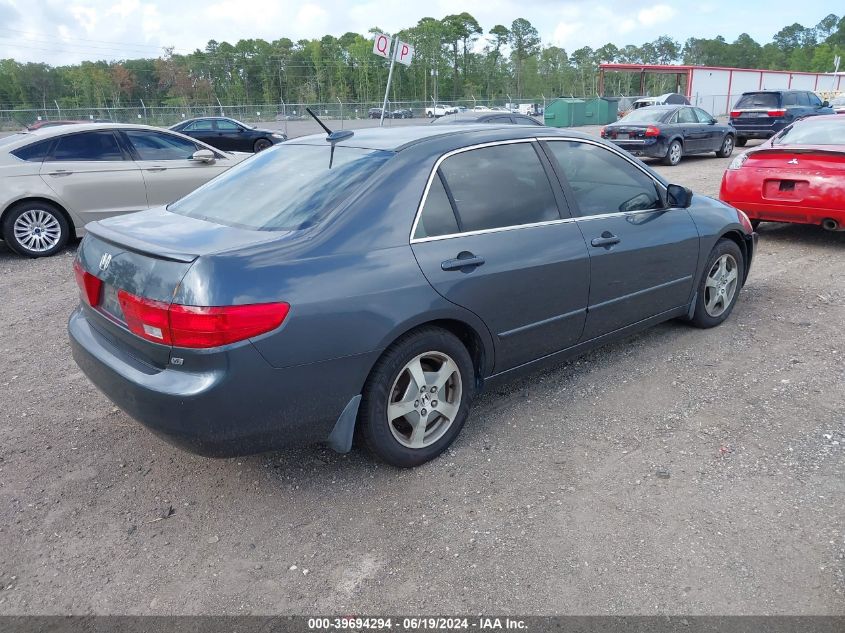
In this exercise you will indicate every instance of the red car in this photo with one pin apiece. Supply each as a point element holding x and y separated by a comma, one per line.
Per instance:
<point>796,176</point>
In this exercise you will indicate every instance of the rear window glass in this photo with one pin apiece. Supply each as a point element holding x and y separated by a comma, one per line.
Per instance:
<point>284,188</point>
<point>759,100</point>
<point>813,131</point>
<point>645,115</point>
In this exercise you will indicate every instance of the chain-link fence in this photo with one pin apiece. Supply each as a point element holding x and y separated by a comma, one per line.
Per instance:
<point>169,115</point>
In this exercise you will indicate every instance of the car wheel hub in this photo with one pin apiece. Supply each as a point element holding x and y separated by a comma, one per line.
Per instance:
<point>37,230</point>
<point>721,285</point>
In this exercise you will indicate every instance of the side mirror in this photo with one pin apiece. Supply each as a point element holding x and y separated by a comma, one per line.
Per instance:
<point>712,122</point>
<point>203,156</point>
<point>678,196</point>
<point>825,104</point>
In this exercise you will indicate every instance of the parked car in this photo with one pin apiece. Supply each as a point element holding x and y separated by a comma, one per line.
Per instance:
<point>374,113</point>
<point>838,104</point>
<point>797,176</point>
<point>58,179</point>
<point>490,116</point>
<point>440,109</point>
<point>668,132</point>
<point>402,113</point>
<point>228,134</point>
<point>670,98</point>
<point>376,282</point>
<point>764,113</point>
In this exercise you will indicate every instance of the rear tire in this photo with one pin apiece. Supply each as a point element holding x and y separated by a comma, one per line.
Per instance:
<point>755,224</point>
<point>719,285</point>
<point>261,144</point>
<point>727,147</point>
<point>35,229</point>
<point>426,418</point>
<point>674,153</point>
<point>741,141</point>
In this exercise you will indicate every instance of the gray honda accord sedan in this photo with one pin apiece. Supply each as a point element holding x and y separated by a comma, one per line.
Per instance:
<point>376,282</point>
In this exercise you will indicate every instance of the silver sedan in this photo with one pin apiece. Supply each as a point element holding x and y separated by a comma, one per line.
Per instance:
<point>55,180</point>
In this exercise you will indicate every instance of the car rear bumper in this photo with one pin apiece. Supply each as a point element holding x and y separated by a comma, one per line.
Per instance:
<point>773,212</point>
<point>652,148</point>
<point>235,405</point>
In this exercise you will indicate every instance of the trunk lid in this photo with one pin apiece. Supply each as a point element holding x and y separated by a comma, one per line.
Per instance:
<point>808,175</point>
<point>148,254</point>
<point>627,132</point>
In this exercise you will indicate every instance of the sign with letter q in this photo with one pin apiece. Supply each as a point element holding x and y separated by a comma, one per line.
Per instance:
<point>381,45</point>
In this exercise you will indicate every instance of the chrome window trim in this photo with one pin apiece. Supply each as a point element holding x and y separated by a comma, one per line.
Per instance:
<point>586,218</point>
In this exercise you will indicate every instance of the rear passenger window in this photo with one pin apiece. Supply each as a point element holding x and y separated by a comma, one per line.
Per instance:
<point>790,99</point>
<point>603,182</point>
<point>686,115</point>
<point>437,217</point>
<point>499,186</point>
<point>36,152</point>
<point>88,146</point>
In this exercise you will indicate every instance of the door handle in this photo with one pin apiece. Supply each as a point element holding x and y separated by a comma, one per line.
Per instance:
<point>607,239</point>
<point>60,172</point>
<point>468,261</point>
<point>156,168</point>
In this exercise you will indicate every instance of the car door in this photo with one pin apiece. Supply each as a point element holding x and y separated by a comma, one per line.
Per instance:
<point>231,136</point>
<point>168,170</point>
<point>695,134</point>
<point>642,255</point>
<point>489,236</point>
<point>713,134</point>
<point>92,175</point>
<point>202,130</point>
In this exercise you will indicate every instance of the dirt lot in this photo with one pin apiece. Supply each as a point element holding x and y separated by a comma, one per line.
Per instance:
<point>549,502</point>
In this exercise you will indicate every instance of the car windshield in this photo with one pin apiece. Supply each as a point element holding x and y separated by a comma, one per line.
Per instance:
<point>813,131</point>
<point>758,100</point>
<point>285,188</point>
<point>644,115</point>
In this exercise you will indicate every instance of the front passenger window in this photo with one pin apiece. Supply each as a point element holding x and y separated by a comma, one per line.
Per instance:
<point>602,181</point>
<point>160,146</point>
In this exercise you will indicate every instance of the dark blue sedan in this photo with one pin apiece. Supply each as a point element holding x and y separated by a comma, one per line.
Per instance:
<point>668,132</point>
<point>375,283</point>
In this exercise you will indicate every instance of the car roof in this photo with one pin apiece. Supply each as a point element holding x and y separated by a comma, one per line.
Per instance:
<point>43,133</point>
<point>397,138</point>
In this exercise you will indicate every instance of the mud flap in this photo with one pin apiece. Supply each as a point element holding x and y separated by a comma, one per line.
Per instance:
<point>340,439</point>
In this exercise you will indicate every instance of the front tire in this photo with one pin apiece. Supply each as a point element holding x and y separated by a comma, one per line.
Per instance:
<point>673,153</point>
<point>261,144</point>
<point>727,147</point>
<point>720,284</point>
<point>35,229</point>
<point>417,397</point>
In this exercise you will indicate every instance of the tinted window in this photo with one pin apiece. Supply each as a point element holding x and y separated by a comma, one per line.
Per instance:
<point>703,117</point>
<point>790,99</point>
<point>602,181</point>
<point>99,146</point>
<point>35,152</point>
<point>287,187</point>
<point>160,146</point>
<point>803,99</point>
<point>203,125</point>
<point>437,217</point>
<point>227,126</point>
<point>524,120</point>
<point>503,185</point>
<point>814,99</point>
<point>759,100</point>
<point>814,131</point>
<point>645,115</point>
<point>686,115</point>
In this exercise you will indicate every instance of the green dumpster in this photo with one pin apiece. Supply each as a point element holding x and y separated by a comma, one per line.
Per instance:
<point>608,110</point>
<point>592,110</point>
<point>565,112</point>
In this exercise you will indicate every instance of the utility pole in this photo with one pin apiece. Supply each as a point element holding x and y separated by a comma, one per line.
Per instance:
<point>394,43</point>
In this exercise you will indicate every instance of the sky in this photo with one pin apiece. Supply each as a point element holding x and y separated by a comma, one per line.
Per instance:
<point>68,31</point>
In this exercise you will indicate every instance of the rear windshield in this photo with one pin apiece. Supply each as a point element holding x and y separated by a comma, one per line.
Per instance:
<point>759,100</point>
<point>813,131</point>
<point>644,115</point>
<point>287,187</point>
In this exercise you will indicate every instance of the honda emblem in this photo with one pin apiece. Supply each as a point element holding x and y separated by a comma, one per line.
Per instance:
<point>105,260</point>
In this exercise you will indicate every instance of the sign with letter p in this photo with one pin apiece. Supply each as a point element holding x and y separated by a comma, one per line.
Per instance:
<point>404,53</point>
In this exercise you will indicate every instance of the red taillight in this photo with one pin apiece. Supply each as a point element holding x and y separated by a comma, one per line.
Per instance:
<point>88,284</point>
<point>774,113</point>
<point>602,132</point>
<point>744,221</point>
<point>652,131</point>
<point>735,114</point>
<point>198,327</point>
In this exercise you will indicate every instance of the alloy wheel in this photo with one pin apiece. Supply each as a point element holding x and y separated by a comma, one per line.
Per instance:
<point>424,400</point>
<point>37,230</point>
<point>721,285</point>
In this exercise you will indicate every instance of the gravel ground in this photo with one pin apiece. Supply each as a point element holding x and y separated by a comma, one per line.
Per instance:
<point>680,472</point>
